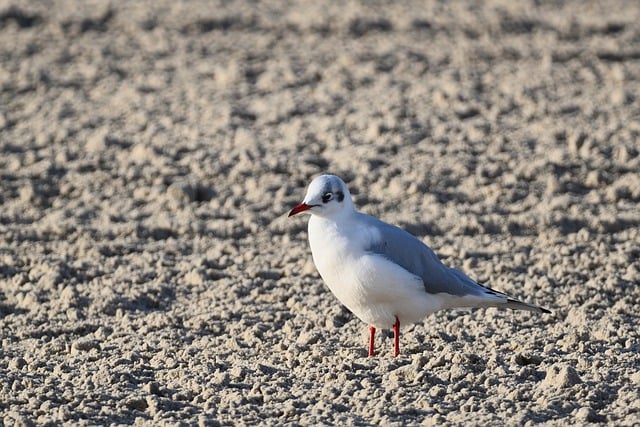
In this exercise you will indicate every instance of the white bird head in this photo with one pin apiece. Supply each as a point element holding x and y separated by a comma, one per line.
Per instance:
<point>327,196</point>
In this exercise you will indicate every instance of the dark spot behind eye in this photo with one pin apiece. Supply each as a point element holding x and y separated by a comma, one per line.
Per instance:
<point>340,195</point>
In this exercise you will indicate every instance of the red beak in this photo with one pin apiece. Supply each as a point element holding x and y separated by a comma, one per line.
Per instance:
<point>300,208</point>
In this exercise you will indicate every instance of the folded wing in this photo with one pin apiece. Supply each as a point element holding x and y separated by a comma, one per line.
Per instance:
<point>413,255</point>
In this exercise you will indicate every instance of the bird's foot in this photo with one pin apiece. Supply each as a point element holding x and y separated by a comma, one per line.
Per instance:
<point>396,337</point>
<point>372,334</point>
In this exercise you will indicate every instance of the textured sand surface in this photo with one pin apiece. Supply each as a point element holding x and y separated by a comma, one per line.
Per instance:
<point>149,153</point>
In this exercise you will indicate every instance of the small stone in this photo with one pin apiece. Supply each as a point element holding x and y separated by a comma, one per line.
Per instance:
<point>102,332</point>
<point>73,314</point>
<point>561,376</point>
<point>49,280</point>
<point>237,373</point>
<point>152,388</point>
<point>268,274</point>
<point>437,391</point>
<point>137,403</point>
<point>586,414</point>
<point>182,190</point>
<point>69,296</point>
<point>309,269</point>
<point>84,344</point>
<point>17,363</point>
<point>307,338</point>
<point>526,359</point>
<point>457,372</point>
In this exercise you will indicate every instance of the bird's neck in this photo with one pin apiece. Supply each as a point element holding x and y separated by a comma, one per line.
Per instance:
<point>342,217</point>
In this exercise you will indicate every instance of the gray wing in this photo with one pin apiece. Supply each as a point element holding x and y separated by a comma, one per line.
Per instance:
<point>407,251</point>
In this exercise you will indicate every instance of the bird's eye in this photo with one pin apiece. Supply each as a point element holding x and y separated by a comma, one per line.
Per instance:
<point>326,197</point>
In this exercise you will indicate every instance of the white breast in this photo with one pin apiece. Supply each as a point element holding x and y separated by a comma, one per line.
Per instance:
<point>333,254</point>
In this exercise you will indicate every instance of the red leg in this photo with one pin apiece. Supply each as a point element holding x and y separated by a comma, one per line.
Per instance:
<point>372,334</point>
<point>396,337</point>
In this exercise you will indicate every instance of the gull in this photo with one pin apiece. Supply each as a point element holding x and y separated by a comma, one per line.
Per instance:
<point>381,273</point>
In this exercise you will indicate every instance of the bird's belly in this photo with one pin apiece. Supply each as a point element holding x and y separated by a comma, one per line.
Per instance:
<point>340,280</point>
<point>374,294</point>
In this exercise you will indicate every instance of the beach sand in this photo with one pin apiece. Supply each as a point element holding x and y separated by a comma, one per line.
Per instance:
<point>151,150</point>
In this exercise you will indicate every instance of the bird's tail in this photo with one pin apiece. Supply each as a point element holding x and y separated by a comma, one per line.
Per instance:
<point>519,305</point>
<point>514,303</point>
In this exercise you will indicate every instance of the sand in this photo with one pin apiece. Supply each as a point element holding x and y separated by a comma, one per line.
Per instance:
<point>149,154</point>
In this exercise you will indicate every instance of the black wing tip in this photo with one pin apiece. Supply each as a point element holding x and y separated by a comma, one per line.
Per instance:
<point>530,307</point>
<point>512,300</point>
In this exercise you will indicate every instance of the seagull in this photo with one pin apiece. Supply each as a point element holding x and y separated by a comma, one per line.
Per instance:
<point>381,273</point>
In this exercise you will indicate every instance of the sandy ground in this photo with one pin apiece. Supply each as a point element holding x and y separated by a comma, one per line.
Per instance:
<point>149,153</point>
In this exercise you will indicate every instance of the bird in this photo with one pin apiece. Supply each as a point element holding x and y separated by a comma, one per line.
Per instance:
<point>383,274</point>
